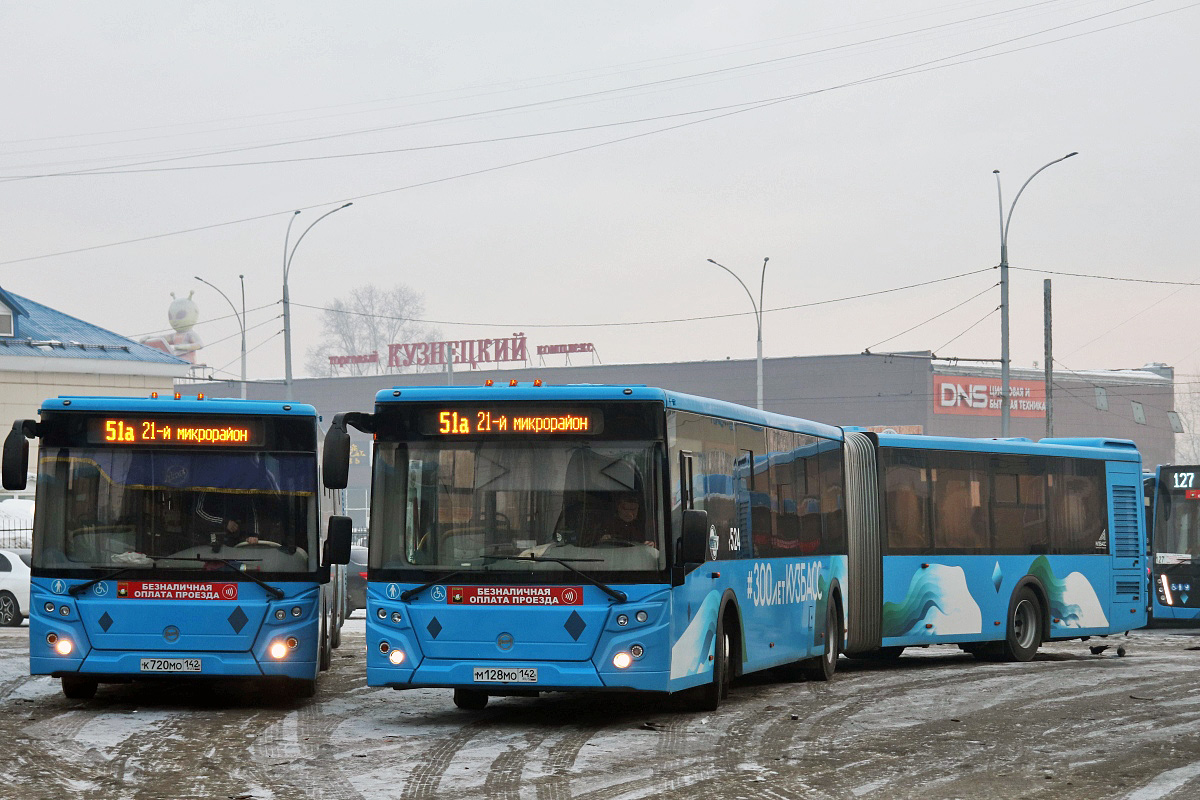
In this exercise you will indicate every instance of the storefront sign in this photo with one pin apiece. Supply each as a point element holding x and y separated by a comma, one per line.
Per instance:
<point>465,351</point>
<point>980,397</point>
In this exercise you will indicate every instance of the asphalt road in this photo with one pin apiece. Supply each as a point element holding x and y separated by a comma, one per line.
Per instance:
<point>935,724</point>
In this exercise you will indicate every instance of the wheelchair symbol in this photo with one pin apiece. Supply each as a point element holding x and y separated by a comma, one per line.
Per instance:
<point>438,593</point>
<point>101,589</point>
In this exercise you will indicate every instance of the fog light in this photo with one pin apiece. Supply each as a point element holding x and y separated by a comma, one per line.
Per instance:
<point>396,657</point>
<point>622,620</point>
<point>296,611</point>
<point>637,651</point>
<point>64,647</point>
<point>280,614</point>
<point>642,616</point>
<point>381,613</point>
<point>384,647</point>
<point>51,638</point>
<point>396,617</point>
<point>278,650</point>
<point>622,660</point>
<point>292,642</point>
<point>65,611</point>
<point>49,607</point>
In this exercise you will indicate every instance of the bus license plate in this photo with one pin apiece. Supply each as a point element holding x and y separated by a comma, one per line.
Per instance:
<point>171,665</point>
<point>494,675</point>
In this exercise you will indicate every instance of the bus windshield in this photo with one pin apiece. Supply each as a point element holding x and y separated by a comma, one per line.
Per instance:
<point>1177,528</point>
<point>448,506</point>
<point>111,509</point>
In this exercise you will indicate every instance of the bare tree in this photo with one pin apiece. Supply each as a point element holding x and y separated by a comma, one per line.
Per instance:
<point>365,323</point>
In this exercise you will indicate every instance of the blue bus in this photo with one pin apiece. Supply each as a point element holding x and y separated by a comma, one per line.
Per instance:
<point>1173,518</point>
<point>529,538</point>
<point>179,537</point>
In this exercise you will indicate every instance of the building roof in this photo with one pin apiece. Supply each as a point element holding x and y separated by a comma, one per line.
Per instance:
<point>43,332</point>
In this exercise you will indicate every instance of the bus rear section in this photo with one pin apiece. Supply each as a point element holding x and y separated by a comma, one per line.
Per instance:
<point>998,546</point>
<point>177,538</point>
<point>1174,496</point>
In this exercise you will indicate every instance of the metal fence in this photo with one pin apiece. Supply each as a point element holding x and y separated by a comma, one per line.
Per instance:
<point>16,532</point>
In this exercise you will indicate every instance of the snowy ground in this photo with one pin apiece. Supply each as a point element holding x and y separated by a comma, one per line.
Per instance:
<point>936,724</point>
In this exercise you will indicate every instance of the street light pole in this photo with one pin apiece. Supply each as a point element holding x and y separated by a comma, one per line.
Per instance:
<point>1005,406</point>
<point>757,317</point>
<point>287,305</point>
<point>241,318</point>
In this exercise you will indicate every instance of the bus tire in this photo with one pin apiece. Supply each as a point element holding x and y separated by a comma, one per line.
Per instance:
<point>709,696</point>
<point>325,651</point>
<point>10,612</point>
<point>79,687</point>
<point>1024,634</point>
<point>823,667</point>
<point>470,699</point>
<point>339,606</point>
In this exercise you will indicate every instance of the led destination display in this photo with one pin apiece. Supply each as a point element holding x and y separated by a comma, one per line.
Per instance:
<point>468,421</point>
<point>174,431</point>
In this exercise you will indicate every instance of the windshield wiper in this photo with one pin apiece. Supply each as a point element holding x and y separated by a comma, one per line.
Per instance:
<point>233,565</point>
<point>615,594</point>
<point>80,588</point>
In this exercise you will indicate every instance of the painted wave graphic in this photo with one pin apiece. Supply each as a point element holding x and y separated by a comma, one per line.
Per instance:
<point>938,603</point>
<point>689,655</point>
<point>1072,599</point>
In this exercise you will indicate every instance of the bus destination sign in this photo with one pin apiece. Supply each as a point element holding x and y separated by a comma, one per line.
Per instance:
<point>467,421</point>
<point>174,431</point>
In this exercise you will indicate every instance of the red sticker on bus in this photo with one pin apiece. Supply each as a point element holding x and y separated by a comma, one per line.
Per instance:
<point>1193,494</point>
<point>158,590</point>
<point>514,595</point>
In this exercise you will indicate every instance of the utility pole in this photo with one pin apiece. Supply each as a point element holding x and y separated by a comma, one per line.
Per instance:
<point>1049,359</point>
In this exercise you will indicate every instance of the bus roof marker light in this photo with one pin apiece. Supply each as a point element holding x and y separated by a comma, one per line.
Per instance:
<point>537,382</point>
<point>396,394</point>
<point>489,382</point>
<point>154,395</point>
<point>512,382</point>
<point>627,391</point>
<point>178,395</point>
<point>200,395</point>
<point>287,408</point>
<point>66,402</point>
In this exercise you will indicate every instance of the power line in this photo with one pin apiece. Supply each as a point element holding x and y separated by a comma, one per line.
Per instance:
<point>641,322</point>
<point>916,69</point>
<point>936,316</point>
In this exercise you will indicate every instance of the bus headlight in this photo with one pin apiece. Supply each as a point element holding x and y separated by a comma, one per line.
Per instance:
<point>642,616</point>
<point>278,650</point>
<point>63,647</point>
<point>396,657</point>
<point>622,660</point>
<point>280,613</point>
<point>622,620</point>
<point>297,611</point>
<point>637,651</point>
<point>381,613</point>
<point>49,607</point>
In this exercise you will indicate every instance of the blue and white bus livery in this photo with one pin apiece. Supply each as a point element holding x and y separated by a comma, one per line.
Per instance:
<point>178,538</point>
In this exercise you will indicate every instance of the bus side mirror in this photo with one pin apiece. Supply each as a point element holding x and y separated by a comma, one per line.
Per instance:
<point>335,455</point>
<point>337,543</point>
<point>15,466</point>
<point>694,539</point>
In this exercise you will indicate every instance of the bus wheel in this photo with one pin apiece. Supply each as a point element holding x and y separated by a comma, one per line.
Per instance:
<point>822,668</point>
<point>470,699</point>
<point>325,651</point>
<point>79,687</point>
<point>709,696</point>
<point>10,612</point>
<point>1024,635</point>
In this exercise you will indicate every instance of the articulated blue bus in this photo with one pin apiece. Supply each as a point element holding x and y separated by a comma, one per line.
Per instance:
<point>528,538</point>
<point>1173,517</point>
<point>179,537</point>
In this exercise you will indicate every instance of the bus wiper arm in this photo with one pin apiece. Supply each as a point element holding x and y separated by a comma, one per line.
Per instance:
<point>275,590</point>
<point>80,588</point>
<point>409,594</point>
<point>615,594</point>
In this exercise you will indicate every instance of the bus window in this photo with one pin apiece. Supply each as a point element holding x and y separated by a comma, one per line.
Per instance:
<point>960,518</point>
<point>906,492</point>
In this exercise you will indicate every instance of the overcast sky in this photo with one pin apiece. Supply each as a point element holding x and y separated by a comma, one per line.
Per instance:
<point>538,166</point>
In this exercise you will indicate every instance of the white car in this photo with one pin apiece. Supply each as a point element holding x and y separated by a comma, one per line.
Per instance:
<point>14,586</point>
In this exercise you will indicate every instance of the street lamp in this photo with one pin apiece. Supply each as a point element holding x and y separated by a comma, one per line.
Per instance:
<point>241,318</point>
<point>1005,406</point>
<point>757,317</point>
<point>287,307</point>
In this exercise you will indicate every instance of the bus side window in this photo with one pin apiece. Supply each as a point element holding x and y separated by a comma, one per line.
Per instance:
<point>906,493</point>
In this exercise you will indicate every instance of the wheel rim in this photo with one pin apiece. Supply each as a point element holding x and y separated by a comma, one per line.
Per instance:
<point>1024,625</point>
<point>8,610</point>
<point>830,636</point>
<point>726,662</point>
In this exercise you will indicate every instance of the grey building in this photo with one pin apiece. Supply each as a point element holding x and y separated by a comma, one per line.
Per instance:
<point>907,392</point>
